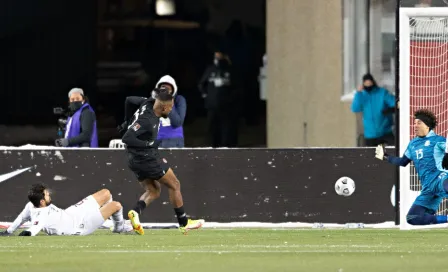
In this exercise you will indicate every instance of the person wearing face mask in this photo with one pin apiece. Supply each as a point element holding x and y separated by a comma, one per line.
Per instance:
<point>81,130</point>
<point>376,104</point>
<point>218,87</point>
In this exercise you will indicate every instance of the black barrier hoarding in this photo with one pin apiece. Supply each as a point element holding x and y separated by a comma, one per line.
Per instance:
<point>221,185</point>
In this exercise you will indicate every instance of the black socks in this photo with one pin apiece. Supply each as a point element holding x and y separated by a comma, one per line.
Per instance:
<point>141,205</point>
<point>181,216</point>
<point>180,213</point>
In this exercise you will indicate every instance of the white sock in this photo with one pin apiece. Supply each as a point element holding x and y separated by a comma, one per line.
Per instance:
<point>117,217</point>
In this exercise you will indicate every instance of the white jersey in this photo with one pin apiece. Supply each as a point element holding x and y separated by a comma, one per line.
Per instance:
<point>51,220</point>
<point>82,218</point>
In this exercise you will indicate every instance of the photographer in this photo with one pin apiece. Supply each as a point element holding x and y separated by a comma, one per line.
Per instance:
<point>81,125</point>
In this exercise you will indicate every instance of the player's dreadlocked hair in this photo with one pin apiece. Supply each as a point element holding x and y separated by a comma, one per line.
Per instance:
<point>37,193</point>
<point>427,117</point>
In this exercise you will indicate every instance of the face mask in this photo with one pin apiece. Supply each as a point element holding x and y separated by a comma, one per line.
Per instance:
<point>74,106</point>
<point>368,88</point>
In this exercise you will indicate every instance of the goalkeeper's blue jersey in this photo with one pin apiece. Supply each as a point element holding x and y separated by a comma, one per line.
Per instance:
<point>427,154</point>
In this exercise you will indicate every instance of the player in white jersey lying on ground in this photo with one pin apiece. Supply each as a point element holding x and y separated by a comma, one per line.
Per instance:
<point>82,218</point>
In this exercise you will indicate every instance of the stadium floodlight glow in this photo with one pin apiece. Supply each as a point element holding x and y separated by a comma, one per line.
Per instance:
<point>165,7</point>
<point>423,76</point>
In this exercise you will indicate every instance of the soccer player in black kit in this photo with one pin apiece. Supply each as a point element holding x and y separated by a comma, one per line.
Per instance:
<point>144,160</point>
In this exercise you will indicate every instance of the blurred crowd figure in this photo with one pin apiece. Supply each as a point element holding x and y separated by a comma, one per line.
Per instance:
<point>220,91</point>
<point>262,78</point>
<point>377,106</point>
<point>423,4</point>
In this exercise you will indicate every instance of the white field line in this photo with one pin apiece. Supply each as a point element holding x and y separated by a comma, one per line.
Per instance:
<point>179,252</point>
<point>248,251</point>
<point>215,246</point>
<point>243,225</point>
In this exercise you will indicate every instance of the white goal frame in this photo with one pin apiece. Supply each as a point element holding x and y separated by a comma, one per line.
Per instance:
<point>407,197</point>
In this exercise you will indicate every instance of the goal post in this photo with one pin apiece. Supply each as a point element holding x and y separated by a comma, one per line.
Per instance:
<point>423,83</point>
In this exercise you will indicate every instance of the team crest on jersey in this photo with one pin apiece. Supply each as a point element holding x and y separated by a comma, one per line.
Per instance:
<point>164,160</point>
<point>136,126</point>
<point>427,143</point>
<point>36,222</point>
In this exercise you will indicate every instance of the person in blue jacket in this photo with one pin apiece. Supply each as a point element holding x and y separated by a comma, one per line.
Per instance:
<point>377,106</point>
<point>171,133</point>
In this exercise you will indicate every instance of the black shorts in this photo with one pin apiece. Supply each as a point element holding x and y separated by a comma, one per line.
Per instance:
<point>150,166</point>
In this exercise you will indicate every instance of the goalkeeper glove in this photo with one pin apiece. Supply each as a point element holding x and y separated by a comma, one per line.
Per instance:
<point>25,233</point>
<point>380,152</point>
<point>445,161</point>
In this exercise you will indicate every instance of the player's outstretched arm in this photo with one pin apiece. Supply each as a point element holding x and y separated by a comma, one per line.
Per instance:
<point>380,153</point>
<point>23,217</point>
<point>37,224</point>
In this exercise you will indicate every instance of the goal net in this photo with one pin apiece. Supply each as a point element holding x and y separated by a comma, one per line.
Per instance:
<point>423,84</point>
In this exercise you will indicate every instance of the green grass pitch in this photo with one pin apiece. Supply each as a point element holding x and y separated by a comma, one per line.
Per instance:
<point>231,250</point>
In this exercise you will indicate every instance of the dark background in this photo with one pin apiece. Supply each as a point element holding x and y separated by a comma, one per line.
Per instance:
<point>48,47</point>
<point>251,185</point>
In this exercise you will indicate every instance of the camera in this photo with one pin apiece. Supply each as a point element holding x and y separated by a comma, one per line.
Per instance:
<point>62,120</point>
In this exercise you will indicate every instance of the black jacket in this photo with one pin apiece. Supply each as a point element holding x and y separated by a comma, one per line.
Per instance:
<point>219,86</point>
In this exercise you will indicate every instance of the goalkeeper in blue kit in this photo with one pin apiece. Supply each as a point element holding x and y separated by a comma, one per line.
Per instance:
<point>426,151</point>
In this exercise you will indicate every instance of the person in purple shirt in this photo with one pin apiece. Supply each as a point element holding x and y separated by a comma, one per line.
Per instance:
<point>171,133</point>
<point>81,130</point>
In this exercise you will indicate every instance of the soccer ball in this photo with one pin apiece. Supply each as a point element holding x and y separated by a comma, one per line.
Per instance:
<point>344,186</point>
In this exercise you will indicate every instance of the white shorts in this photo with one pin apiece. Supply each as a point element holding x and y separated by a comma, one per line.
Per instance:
<point>86,216</point>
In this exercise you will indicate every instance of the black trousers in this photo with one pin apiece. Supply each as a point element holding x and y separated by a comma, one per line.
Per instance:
<point>388,139</point>
<point>223,128</point>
